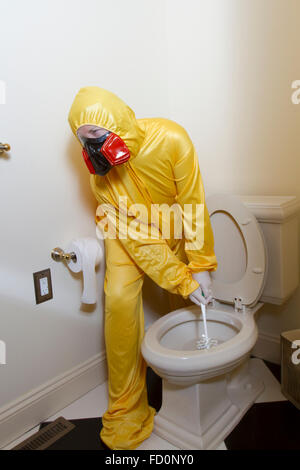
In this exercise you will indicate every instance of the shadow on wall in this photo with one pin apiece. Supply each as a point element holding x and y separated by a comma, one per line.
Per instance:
<point>80,172</point>
<point>155,300</point>
<point>158,302</point>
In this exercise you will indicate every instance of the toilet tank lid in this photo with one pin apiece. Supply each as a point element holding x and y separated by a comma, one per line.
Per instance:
<point>272,209</point>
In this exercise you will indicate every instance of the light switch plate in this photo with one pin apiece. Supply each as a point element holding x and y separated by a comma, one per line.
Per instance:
<point>42,286</point>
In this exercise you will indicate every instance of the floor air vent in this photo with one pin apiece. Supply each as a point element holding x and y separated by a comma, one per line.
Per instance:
<point>46,436</point>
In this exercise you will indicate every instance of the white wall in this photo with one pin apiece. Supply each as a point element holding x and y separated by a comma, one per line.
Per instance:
<point>52,48</point>
<point>231,64</point>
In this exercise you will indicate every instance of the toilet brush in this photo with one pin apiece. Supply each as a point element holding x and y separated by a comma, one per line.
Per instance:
<point>205,342</point>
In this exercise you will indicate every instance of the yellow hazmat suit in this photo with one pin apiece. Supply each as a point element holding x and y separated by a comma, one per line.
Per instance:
<point>162,169</point>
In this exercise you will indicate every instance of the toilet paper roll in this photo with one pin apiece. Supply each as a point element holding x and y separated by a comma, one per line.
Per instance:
<point>89,254</point>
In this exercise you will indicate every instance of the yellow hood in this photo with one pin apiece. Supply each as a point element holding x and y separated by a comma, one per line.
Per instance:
<point>96,106</point>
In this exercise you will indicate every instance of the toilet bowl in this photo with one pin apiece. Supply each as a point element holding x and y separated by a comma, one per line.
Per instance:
<point>206,392</point>
<point>171,350</point>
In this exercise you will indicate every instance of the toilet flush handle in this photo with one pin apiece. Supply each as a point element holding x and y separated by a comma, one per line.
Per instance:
<point>257,270</point>
<point>246,222</point>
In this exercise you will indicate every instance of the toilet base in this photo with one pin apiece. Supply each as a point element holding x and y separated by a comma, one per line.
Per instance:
<point>201,416</point>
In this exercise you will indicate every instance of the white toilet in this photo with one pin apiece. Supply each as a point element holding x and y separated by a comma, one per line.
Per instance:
<point>206,392</point>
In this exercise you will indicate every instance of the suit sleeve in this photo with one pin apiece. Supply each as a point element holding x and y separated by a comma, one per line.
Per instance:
<point>158,261</point>
<point>149,250</point>
<point>199,246</point>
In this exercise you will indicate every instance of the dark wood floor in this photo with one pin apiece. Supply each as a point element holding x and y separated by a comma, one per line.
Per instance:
<point>266,426</point>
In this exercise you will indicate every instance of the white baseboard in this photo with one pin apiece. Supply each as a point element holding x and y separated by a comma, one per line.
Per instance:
<point>36,406</point>
<point>267,347</point>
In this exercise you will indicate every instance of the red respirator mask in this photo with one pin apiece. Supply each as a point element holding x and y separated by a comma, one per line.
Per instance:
<point>102,153</point>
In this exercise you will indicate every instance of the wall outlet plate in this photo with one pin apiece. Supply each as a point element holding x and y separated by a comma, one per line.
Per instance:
<point>42,286</point>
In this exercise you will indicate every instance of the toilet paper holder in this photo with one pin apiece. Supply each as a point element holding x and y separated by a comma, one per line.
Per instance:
<point>58,254</point>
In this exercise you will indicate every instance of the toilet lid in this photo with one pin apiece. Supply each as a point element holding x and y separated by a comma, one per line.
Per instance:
<point>240,251</point>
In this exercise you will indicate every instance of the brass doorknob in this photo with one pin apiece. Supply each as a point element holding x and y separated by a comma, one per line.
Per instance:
<point>4,148</point>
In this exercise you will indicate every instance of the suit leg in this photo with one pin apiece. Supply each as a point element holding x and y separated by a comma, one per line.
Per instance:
<point>129,418</point>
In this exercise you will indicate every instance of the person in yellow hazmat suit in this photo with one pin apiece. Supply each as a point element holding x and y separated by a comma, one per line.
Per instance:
<point>145,164</point>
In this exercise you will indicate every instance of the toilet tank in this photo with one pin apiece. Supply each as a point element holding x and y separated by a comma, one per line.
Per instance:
<point>278,219</point>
